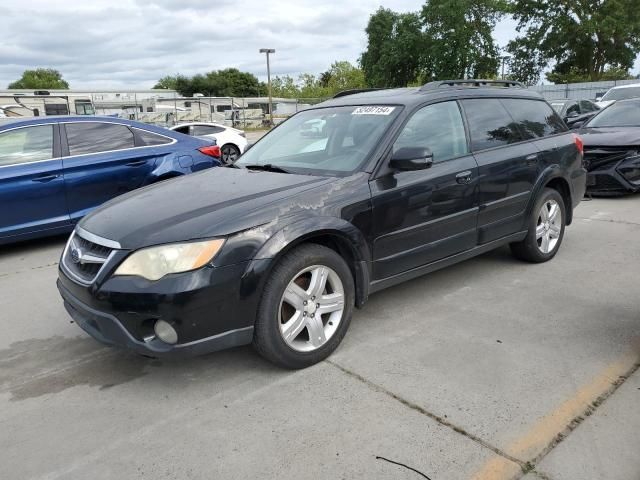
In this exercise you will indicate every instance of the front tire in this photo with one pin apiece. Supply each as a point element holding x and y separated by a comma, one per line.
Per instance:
<point>306,307</point>
<point>546,229</point>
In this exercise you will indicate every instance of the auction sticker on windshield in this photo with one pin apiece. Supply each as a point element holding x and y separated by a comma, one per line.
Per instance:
<point>373,110</point>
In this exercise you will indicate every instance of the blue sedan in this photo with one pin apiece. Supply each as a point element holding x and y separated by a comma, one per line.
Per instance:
<point>55,170</point>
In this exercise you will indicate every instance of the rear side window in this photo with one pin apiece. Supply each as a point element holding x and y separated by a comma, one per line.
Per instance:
<point>147,138</point>
<point>25,145</point>
<point>206,130</point>
<point>90,137</point>
<point>438,127</point>
<point>534,117</point>
<point>490,124</point>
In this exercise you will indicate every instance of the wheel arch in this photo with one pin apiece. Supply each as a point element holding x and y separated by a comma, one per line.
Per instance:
<point>336,234</point>
<point>553,178</point>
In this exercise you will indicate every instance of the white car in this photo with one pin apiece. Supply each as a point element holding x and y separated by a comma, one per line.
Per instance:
<point>232,141</point>
<point>622,92</point>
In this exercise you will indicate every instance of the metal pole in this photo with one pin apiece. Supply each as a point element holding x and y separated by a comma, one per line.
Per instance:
<point>269,51</point>
<point>135,100</point>
<point>269,85</point>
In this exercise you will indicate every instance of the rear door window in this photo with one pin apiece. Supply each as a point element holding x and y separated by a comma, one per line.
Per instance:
<point>534,117</point>
<point>490,125</point>
<point>438,127</point>
<point>26,145</point>
<point>94,137</point>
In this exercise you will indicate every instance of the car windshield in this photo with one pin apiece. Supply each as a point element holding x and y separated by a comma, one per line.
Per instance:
<point>621,114</point>
<point>622,93</point>
<point>324,141</point>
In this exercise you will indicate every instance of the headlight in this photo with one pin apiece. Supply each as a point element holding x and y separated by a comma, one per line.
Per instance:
<point>155,262</point>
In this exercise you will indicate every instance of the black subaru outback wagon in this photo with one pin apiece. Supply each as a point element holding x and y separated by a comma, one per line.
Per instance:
<point>359,193</point>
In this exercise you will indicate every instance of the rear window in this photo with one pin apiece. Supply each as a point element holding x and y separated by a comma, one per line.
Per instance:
<point>534,117</point>
<point>95,137</point>
<point>489,124</point>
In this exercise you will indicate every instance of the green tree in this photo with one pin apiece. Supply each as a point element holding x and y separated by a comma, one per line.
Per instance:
<point>458,38</point>
<point>284,87</point>
<point>45,78</point>
<point>342,76</point>
<point>229,82</point>
<point>394,49</point>
<point>581,39</point>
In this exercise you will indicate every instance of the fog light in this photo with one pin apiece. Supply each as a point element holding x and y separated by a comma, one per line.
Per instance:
<point>165,332</point>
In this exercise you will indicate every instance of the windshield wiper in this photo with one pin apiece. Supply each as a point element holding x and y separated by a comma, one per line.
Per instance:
<point>267,167</point>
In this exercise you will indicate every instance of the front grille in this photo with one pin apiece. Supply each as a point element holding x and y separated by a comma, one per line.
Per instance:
<point>83,258</point>
<point>606,182</point>
<point>602,158</point>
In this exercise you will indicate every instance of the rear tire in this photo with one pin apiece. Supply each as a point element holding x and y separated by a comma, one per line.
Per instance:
<point>306,307</point>
<point>546,229</point>
<point>230,154</point>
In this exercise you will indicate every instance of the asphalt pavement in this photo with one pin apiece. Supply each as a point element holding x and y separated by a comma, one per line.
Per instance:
<point>491,369</point>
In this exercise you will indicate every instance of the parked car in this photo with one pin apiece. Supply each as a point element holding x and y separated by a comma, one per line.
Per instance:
<point>621,92</point>
<point>575,112</point>
<point>55,170</point>
<point>612,149</point>
<point>277,249</point>
<point>232,141</point>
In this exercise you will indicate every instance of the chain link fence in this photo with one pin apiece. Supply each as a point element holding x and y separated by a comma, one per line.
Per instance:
<point>579,91</point>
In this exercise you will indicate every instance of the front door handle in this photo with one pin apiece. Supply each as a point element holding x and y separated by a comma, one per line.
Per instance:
<point>45,178</point>
<point>464,178</point>
<point>136,163</point>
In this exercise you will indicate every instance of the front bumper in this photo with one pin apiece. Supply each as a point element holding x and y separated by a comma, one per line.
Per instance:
<point>616,178</point>
<point>211,309</point>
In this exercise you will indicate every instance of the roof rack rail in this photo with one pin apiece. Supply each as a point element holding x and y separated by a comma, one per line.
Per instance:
<point>471,82</point>
<point>353,91</point>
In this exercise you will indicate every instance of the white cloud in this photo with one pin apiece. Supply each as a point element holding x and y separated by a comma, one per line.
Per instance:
<point>132,43</point>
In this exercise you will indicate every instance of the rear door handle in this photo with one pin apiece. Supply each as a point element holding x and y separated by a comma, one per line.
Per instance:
<point>45,178</point>
<point>136,163</point>
<point>532,159</point>
<point>464,177</point>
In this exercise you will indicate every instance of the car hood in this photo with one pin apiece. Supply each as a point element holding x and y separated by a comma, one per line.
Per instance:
<point>610,136</point>
<point>216,202</point>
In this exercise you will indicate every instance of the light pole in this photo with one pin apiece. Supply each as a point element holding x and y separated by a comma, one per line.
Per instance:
<point>504,59</point>
<point>268,51</point>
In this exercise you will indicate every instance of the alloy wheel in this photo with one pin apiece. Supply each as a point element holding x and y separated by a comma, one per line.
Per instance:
<point>229,154</point>
<point>549,226</point>
<point>311,308</point>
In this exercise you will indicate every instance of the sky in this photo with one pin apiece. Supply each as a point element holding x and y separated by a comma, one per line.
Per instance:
<point>132,43</point>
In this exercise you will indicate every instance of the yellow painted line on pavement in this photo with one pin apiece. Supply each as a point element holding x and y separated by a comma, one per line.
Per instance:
<point>533,443</point>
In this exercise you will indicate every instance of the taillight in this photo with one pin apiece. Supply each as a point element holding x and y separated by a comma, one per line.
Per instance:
<point>212,151</point>
<point>579,143</point>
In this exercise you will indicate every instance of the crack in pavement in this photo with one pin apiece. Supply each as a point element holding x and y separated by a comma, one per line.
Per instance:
<point>623,222</point>
<point>39,267</point>
<point>526,467</point>
<point>579,419</point>
<point>433,416</point>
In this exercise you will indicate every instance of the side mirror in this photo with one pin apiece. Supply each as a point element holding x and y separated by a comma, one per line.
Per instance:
<point>411,158</point>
